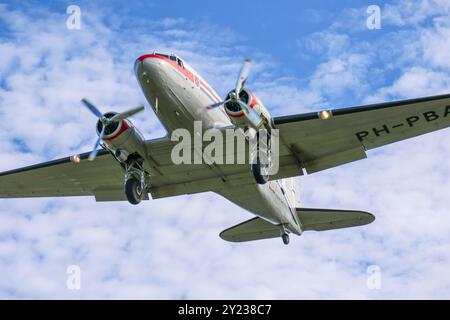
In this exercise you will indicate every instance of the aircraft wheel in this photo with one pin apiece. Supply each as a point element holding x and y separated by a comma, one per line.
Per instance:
<point>133,191</point>
<point>285,238</point>
<point>259,172</point>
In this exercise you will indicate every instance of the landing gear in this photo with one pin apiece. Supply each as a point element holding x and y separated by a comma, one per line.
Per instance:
<point>285,238</point>
<point>133,191</point>
<point>135,185</point>
<point>262,161</point>
<point>260,172</point>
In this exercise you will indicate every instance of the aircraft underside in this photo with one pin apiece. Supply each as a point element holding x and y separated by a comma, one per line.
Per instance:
<point>277,149</point>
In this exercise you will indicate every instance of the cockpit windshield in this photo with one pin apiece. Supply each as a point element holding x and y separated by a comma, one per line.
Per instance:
<point>172,57</point>
<point>162,55</point>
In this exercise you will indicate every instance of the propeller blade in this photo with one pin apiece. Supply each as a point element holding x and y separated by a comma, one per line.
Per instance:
<point>93,153</point>
<point>126,114</point>
<point>91,107</point>
<point>243,75</point>
<point>216,105</point>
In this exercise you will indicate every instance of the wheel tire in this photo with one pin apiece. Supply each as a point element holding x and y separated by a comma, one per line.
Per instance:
<point>256,170</point>
<point>285,238</point>
<point>133,191</point>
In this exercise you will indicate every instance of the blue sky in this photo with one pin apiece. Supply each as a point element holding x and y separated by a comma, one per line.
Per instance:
<point>306,56</point>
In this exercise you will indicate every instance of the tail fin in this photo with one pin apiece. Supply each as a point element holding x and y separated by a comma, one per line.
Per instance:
<point>310,219</point>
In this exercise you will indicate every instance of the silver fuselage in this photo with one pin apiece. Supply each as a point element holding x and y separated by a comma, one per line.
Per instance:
<point>178,96</point>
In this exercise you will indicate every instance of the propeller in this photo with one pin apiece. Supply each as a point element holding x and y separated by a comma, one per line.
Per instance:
<point>106,121</point>
<point>243,75</point>
<point>218,104</point>
<point>126,114</point>
<point>91,107</point>
<point>93,153</point>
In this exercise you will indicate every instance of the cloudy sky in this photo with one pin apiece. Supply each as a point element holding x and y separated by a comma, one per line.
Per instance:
<point>306,57</point>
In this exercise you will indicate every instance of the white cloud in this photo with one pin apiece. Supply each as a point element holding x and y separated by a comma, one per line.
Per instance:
<point>418,80</point>
<point>412,13</point>
<point>170,248</point>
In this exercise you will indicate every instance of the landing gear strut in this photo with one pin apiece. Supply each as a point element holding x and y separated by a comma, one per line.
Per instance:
<point>135,185</point>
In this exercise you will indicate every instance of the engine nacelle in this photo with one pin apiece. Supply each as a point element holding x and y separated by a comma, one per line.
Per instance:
<point>122,138</point>
<point>240,118</point>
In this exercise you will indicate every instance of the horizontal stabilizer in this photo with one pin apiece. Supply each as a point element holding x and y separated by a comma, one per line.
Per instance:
<point>325,219</point>
<point>310,219</point>
<point>253,229</point>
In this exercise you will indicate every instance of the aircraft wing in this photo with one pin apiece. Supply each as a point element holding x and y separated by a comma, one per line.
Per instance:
<point>104,177</point>
<point>324,140</point>
<point>306,141</point>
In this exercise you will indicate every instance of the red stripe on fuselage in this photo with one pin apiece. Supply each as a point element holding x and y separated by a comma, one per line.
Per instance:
<point>271,188</point>
<point>184,71</point>
<point>209,90</point>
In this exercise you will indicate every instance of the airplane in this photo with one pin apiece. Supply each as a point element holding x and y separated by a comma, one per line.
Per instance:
<point>128,167</point>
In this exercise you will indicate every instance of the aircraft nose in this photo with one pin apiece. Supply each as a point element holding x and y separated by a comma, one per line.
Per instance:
<point>144,63</point>
<point>148,68</point>
<point>137,67</point>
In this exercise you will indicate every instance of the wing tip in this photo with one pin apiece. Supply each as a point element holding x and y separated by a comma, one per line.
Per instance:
<point>367,216</point>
